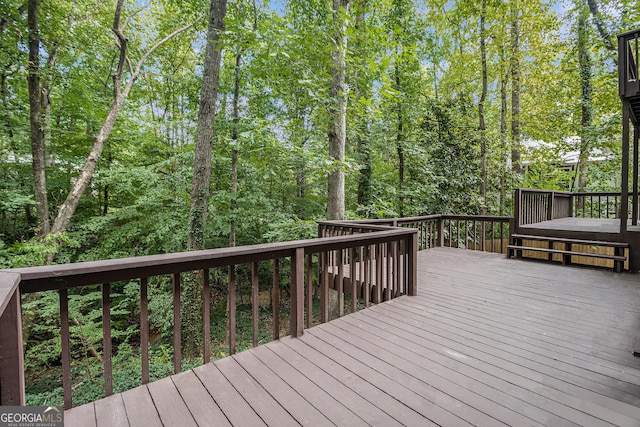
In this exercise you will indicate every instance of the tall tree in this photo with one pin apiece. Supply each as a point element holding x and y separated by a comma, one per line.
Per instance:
<point>200,187</point>
<point>338,111</point>
<point>515,88</point>
<point>36,121</point>
<point>121,91</point>
<point>584,63</point>
<point>482,127</point>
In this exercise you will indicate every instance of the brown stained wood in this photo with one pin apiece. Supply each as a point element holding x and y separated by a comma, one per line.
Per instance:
<point>106,339</point>
<point>254,304</point>
<point>351,399</point>
<point>110,412</point>
<point>54,277</point>
<point>275,295</point>
<point>66,347</point>
<point>287,397</point>
<point>231,312</point>
<point>140,408</point>
<point>309,295</point>
<point>206,314</point>
<point>340,260</point>
<point>529,378</point>
<point>321,400</point>
<point>428,401</point>
<point>324,288</point>
<point>144,329</point>
<point>474,375</point>
<point>12,386</point>
<point>234,407</point>
<point>491,399</point>
<point>416,411</point>
<point>200,404</point>
<point>170,405</point>
<point>296,304</point>
<point>177,325</point>
<point>264,405</point>
<point>81,416</point>
<point>383,400</point>
<point>352,281</point>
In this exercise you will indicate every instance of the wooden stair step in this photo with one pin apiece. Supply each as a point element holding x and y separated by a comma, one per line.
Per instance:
<point>563,252</point>
<point>568,240</point>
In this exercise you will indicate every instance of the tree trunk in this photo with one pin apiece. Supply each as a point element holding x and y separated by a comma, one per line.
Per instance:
<point>35,119</point>
<point>120,94</point>
<point>481,125</point>
<point>234,150</point>
<point>362,141</point>
<point>400,140</point>
<point>205,130</point>
<point>337,112</point>
<point>504,140</point>
<point>584,61</point>
<point>602,30</point>
<point>515,90</point>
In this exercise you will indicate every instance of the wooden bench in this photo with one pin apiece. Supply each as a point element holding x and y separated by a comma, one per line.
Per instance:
<point>618,258</point>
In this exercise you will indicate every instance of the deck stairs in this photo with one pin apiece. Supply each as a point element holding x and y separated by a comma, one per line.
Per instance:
<point>566,248</point>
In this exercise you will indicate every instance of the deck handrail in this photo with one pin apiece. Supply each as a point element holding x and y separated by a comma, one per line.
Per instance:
<point>364,245</point>
<point>477,232</point>
<point>532,206</point>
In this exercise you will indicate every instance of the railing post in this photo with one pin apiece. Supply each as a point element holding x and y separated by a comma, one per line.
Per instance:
<point>551,203</point>
<point>297,292</point>
<point>516,210</point>
<point>11,354</point>
<point>412,259</point>
<point>441,231</point>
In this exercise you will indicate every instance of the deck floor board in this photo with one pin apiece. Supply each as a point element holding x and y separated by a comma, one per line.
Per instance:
<point>487,341</point>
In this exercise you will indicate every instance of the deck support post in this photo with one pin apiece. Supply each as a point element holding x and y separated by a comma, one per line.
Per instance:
<point>624,197</point>
<point>634,206</point>
<point>297,292</point>
<point>12,360</point>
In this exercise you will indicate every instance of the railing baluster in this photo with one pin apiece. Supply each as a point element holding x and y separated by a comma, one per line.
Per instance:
<point>493,237</point>
<point>144,329</point>
<point>106,339</point>
<point>65,347</point>
<point>310,290</point>
<point>206,314</point>
<point>232,309</point>
<point>297,292</point>
<point>255,314</point>
<point>275,299</point>
<point>367,277</point>
<point>324,289</point>
<point>378,294</point>
<point>388,289</point>
<point>177,325</point>
<point>340,256</point>
<point>354,282</point>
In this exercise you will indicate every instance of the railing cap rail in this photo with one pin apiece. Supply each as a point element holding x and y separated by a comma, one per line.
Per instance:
<point>8,284</point>
<point>104,271</point>
<point>629,34</point>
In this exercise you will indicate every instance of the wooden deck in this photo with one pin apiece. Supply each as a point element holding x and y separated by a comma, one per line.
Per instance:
<point>488,341</point>
<point>603,226</point>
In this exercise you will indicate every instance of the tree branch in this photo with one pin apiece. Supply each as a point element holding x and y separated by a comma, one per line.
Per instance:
<point>604,34</point>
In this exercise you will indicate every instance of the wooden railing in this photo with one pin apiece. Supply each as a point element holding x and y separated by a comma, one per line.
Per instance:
<point>385,255</point>
<point>482,233</point>
<point>534,206</point>
<point>597,205</point>
<point>628,48</point>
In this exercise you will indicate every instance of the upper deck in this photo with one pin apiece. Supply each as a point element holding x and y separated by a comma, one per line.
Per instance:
<point>487,341</point>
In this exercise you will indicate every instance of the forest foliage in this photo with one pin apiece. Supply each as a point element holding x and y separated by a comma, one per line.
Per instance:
<point>414,81</point>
